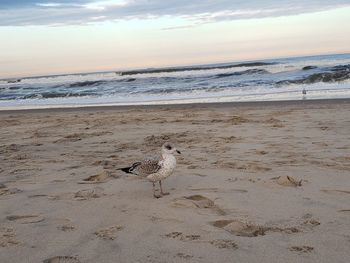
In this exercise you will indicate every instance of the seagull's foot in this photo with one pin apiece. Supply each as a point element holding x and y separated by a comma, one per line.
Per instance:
<point>157,195</point>
<point>161,189</point>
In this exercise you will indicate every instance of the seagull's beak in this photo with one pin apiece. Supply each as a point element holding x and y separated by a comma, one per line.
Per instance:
<point>178,151</point>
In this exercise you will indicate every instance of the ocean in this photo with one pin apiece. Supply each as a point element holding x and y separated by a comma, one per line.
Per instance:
<point>320,77</point>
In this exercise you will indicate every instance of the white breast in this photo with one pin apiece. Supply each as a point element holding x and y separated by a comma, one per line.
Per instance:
<point>168,166</point>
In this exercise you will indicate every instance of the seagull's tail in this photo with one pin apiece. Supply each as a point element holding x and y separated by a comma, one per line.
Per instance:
<point>126,170</point>
<point>130,169</point>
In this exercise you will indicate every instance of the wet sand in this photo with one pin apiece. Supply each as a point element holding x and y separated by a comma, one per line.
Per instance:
<point>256,182</point>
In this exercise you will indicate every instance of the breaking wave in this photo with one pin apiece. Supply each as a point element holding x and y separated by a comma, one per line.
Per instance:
<point>322,75</point>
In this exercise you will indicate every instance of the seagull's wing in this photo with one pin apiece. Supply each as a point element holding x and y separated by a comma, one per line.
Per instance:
<point>149,165</point>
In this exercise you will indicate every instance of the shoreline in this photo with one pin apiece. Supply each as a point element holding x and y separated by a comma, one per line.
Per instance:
<point>183,105</point>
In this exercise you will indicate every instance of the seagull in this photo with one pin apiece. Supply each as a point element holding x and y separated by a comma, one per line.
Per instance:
<point>156,169</point>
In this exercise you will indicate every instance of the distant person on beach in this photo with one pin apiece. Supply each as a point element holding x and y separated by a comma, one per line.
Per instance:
<point>304,93</point>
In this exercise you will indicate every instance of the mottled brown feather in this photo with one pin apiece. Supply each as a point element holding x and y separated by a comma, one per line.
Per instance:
<point>148,166</point>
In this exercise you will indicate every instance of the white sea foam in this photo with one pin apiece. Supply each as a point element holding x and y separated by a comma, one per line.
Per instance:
<point>282,79</point>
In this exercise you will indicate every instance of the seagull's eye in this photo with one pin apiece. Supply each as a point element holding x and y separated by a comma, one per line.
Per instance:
<point>168,147</point>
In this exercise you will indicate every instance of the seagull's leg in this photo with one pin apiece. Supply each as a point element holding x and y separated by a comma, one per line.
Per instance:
<point>161,190</point>
<point>154,191</point>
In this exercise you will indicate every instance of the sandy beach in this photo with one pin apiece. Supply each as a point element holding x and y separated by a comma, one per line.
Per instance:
<point>256,182</point>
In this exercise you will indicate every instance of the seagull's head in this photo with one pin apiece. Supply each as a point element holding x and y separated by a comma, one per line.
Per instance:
<point>169,148</point>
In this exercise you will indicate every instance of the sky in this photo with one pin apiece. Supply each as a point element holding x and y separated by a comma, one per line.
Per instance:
<point>40,37</point>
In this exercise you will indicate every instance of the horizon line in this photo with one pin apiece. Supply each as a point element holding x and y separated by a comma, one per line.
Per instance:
<point>165,67</point>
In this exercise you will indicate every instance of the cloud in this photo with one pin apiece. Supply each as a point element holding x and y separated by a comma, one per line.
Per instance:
<point>62,12</point>
<point>10,4</point>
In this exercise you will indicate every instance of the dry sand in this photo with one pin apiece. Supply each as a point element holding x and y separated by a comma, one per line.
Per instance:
<point>257,182</point>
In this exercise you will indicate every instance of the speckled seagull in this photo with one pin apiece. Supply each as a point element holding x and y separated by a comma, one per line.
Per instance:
<point>156,169</point>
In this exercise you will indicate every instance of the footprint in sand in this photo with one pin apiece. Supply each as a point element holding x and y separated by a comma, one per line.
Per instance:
<point>287,181</point>
<point>301,249</point>
<point>224,243</point>
<point>198,201</point>
<point>65,225</point>
<point>238,228</point>
<point>66,228</point>
<point>62,259</point>
<point>98,178</point>
<point>85,194</point>
<point>109,233</point>
<point>89,193</point>
<point>309,221</point>
<point>183,256</point>
<point>219,243</point>
<point>182,237</point>
<point>8,191</point>
<point>7,237</point>
<point>26,219</point>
